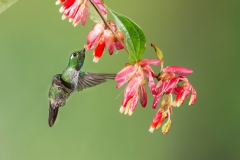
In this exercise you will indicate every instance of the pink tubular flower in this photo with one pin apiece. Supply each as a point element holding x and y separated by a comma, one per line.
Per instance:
<point>100,36</point>
<point>135,90</point>
<point>159,118</point>
<point>77,10</point>
<point>167,86</point>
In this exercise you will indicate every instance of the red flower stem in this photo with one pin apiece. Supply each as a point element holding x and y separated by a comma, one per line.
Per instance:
<point>106,23</point>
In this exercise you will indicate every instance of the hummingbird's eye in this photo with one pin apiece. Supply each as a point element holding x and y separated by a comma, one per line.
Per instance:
<point>74,54</point>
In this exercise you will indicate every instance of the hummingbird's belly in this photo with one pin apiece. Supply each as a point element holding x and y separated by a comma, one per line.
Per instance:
<point>74,78</point>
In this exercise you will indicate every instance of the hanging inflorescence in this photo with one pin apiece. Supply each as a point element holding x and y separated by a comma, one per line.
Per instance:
<point>169,86</point>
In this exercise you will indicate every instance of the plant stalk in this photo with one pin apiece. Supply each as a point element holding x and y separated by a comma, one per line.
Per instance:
<point>106,23</point>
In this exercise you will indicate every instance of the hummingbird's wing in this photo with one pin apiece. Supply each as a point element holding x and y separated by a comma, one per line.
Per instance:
<point>87,80</point>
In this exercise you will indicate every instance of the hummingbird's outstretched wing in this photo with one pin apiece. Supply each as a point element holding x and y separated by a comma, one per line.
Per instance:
<point>87,80</point>
<point>58,95</point>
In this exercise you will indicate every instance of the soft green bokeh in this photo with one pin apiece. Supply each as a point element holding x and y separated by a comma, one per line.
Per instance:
<point>5,4</point>
<point>35,44</point>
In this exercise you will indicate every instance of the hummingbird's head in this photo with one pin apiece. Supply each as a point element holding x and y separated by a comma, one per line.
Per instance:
<point>76,59</point>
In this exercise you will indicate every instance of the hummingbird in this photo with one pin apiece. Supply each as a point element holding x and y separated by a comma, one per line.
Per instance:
<point>71,80</point>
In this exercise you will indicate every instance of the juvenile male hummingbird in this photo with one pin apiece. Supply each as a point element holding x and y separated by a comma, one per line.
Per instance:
<point>72,79</point>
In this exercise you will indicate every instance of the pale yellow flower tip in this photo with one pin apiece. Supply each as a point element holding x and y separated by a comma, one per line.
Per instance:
<point>121,109</point>
<point>95,60</point>
<point>64,17</point>
<point>151,129</point>
<point>61,10</point>
<point>57,2</point>
<point>74,24</point>
<point>130,112</point>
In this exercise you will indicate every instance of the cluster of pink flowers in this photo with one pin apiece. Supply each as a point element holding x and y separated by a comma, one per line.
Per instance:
<point>101,36</point>
<point>166,87</point>
<point>134,74</point>
<point>77,10</point>
<point>167,90</point>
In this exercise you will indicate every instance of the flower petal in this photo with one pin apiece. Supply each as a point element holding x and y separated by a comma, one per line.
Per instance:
<point>176,90</point>
<point>98,51</point>
<point>125,73</point>
<point>154,62</point>
<point>170,85</point>
<point>182,94</point>
<point>84,14</point>
<point>178,70</point>
<point>148,73</point>
<point>134,104</point>
<point>109,40</point>
<point>143,96</point>
<point>100,6</point>
<point>66,13</point>
<point>159,84</point>
<point>94,36</point>
<point>157,120</point>
<point>74,9</point>
<point>131,90</point>
<point>59,2</point>
<point>118,45</point>
<point>156,99</point>
<point>68,4</point>
<point>79,15</point>
<point>193,97</point>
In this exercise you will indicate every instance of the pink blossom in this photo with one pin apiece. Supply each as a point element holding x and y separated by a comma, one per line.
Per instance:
<point>168,83</point>
<point>135,90</point>
<point>100,37</point>
<point>158,119</point>
<point>77,10</point>
<point>167,87</point>
<point>178,70</point>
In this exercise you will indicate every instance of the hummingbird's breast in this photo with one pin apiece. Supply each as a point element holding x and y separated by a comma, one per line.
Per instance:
<point>70,75</point>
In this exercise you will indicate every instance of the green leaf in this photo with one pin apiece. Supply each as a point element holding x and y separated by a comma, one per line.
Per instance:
<point>94,16</point>
<point>134,36</point>
<point>5,4</point>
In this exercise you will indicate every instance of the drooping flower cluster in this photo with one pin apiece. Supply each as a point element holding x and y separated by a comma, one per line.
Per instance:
<point>167,86</point>
<point>135,90</point>
<point>172,87</point>
<point>101,36</point>
<point>77,10</point>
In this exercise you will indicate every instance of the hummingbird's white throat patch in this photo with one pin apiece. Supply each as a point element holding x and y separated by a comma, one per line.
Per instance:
<point>73,75</point>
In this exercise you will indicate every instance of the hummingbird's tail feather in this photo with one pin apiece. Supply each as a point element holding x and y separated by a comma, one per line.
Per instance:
<point>52,115</point>
<point>86,79</point>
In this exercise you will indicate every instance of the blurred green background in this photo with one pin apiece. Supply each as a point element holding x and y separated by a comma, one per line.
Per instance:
<point>35,44</point>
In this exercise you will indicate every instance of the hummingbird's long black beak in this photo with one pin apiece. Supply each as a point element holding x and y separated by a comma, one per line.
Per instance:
<point>84,50</point>
<point>81,53</point>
